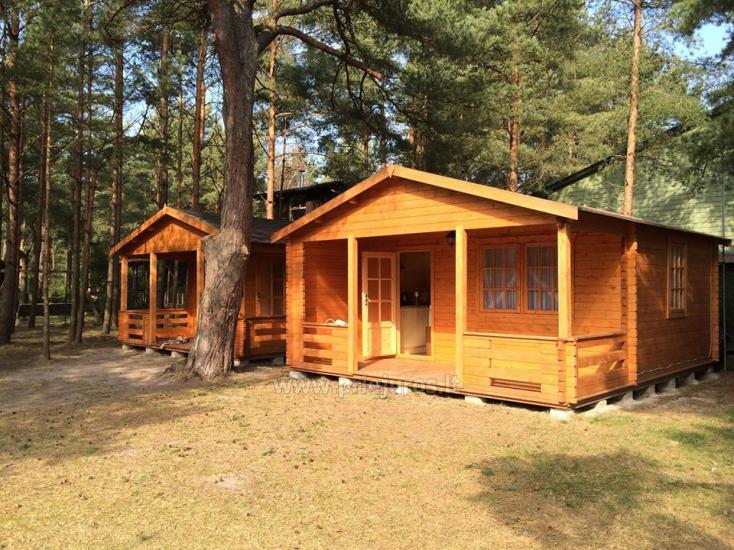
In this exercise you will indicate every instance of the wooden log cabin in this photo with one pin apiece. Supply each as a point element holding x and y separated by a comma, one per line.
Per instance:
<point>162,276</point>
<point>414,279</point>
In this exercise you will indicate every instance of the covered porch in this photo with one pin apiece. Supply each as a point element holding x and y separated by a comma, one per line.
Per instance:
<point>535,313</point>
<point>159,299</point>
<point>162,278</point>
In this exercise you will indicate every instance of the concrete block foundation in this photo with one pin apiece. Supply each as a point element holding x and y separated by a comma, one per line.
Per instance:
<point>474,400</point>
<point>561,415</point>
<point>666,387</point>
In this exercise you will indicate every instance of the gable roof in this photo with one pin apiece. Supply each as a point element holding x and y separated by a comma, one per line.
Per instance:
<point>480,191</point>
<point>562,210</point>
<point>206,222</point>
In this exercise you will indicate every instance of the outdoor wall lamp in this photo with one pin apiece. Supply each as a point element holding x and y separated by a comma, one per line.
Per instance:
<point>451,238</point>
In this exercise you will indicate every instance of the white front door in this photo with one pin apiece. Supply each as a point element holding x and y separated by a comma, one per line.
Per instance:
<point>379,311</point>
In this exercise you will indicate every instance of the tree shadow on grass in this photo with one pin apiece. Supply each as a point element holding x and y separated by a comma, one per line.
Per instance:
<point>595,501</point>
<point>91,397</point>
<point>68,431</point>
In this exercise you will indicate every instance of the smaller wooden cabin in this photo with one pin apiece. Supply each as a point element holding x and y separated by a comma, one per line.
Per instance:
<point>415,279</point>
<point>162,276</point>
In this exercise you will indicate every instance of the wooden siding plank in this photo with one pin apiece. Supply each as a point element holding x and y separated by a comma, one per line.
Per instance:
<point>665,346</point>
<point>405,207</point>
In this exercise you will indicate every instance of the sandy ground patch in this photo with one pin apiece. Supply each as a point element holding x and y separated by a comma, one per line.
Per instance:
<point>99,449</point>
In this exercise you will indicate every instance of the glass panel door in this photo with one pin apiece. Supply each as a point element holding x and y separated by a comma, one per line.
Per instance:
<point>379,330</point>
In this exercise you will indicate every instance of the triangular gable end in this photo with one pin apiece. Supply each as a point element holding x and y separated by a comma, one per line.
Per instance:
<point>478,198</point>
<point>160,219</point>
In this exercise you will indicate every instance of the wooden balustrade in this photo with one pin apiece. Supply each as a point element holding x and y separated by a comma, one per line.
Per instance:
<point>598,363</point>
<point>325,347</point>
<point>523,367</point>
<point>134,327</point>
<point>172,323</point>
<point>263,336</point>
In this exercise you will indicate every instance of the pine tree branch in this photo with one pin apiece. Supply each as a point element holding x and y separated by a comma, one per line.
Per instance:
<point>303,9</point>
<point>267,34</point>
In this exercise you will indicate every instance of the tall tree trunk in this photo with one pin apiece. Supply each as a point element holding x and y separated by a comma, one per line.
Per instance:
<point>283,157</point>
<point>629,167</point>
<point>92,177</point>
<point>86,254</point>
<point>180,146</point>
<point>78,182</point>
<point>514,123</point>
<point>3,164</point>
<point>284,154</point>
<point>272,112</point>
<point>366,152</point>
<point>113,270</point>
<point>67,277</point>
<point>8,289</point>
<point>46,226</point>
<point>38,222</point>
<point>227,252</point>
<point>161,172</point>
<point>199,116</point>
<point>418,136</point>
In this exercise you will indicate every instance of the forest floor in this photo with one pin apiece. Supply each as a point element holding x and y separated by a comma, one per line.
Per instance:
<point>100,448</point>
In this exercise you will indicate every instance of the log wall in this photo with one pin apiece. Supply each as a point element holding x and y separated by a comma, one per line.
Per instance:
<point>666,345</point>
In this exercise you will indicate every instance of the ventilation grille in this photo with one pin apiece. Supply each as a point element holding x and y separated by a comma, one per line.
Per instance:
<point>317,360</point>
<point>515,384</point>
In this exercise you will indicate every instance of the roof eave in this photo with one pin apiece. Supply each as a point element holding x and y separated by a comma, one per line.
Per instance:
<point>615,215</point>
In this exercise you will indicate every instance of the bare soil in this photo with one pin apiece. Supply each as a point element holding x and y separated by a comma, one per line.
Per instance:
<point>101,448</point>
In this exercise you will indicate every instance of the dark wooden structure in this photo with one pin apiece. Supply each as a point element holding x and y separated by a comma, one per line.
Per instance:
<point>162,266</point>
<point>291,204</point>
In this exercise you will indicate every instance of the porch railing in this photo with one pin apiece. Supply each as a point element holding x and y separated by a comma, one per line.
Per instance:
<point>508,365</point>
<point>134,326</point>
<point>325,347</point>
<point>595,364</point>
<point>172,323</point>
<point>264,336</point>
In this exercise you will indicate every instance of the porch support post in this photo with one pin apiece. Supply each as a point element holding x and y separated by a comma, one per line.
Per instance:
<point>295,301</point>
<point>460,300</point>
<point>199,272</point>
<point>565,284</point>
<point>152,297</point>
<point>123,284</point>
<point>352,303</point>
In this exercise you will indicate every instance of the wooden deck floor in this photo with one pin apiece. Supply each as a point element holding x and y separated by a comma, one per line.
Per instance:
<point>412,372</point>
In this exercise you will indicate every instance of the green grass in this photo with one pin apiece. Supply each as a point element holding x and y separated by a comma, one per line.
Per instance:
<point>237,464</point>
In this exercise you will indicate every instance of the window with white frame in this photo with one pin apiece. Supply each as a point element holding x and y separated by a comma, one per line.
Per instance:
<point>542,277</point>
<point>500,278</point>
